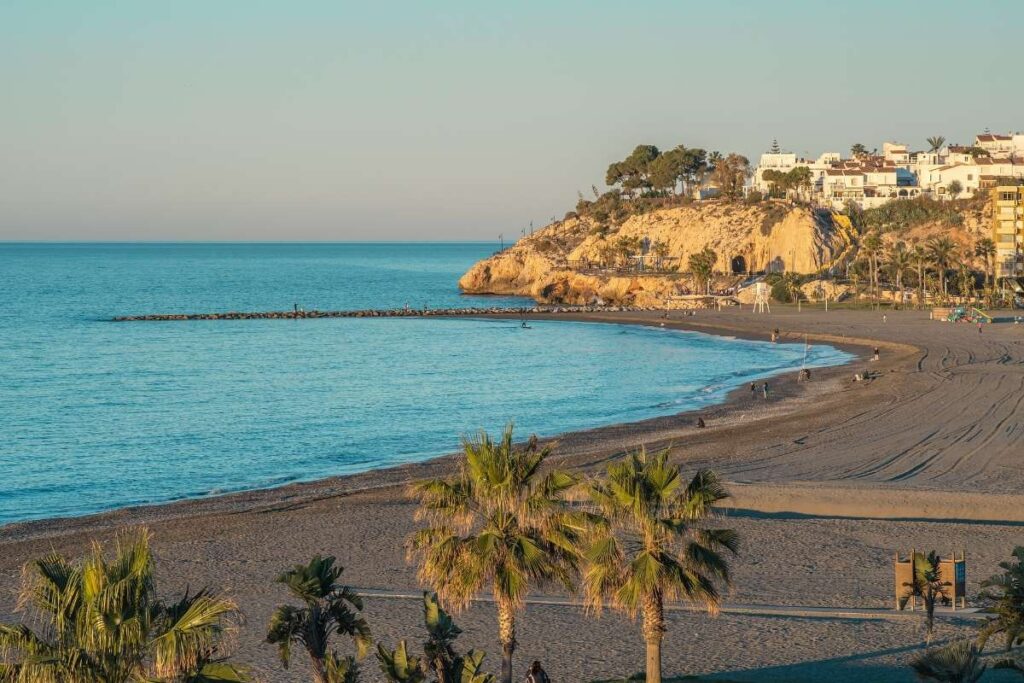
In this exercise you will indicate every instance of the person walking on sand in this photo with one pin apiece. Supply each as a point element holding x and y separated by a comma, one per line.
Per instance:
<point>979,327</point>
<point>875,355</point>
<point>883,318</point>
<point>765,390</point>
<point>536,674</point>
<point>753,389</point>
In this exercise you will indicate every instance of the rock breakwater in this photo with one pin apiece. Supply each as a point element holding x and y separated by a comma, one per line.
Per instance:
<point>372,313</point>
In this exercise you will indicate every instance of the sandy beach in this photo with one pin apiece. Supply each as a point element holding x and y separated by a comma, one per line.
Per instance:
<point>829,477</point>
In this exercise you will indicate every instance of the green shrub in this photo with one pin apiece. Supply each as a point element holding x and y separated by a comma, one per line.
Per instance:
<point>780,291</point>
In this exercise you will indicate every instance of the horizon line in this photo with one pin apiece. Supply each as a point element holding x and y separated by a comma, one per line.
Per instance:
<point>186,241</point>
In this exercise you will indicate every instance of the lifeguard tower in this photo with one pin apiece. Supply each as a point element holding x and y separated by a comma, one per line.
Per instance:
<point>761,297</point>
<point>952,571</point>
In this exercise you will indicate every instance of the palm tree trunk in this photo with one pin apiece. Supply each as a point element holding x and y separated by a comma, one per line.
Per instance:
<point>920,286</point>
<point>654,630</point>
<point>507,636</point>
<point>319,671</point>
<point>929,624</point>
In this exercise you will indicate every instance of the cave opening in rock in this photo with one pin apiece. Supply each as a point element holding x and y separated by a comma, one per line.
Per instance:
<point>739,265</point>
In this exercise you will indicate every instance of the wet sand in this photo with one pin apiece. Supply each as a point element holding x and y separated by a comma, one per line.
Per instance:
<point>830,477</point>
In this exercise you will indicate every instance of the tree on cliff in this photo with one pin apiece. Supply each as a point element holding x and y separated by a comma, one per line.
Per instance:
<point>679,166</point>
<point>955,188</point>
<point>501,525</point>
<point>625,247</point>
<point>633,172</point>
<point>652,544</point>
<point>660,250</point>
<point>796,179</point>
<point>731,174</point>
<point>702,265</point>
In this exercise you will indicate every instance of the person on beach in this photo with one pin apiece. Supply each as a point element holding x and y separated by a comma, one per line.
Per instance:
<point>536,674</point>
<point>753,389</point>
<point>979,327</point>
<point>883,318</point>
<point>765,390</point>
<point>874,356</point>
<point>700,423</point>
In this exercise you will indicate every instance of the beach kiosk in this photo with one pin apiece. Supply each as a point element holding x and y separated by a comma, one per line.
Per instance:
<point>952,571</point>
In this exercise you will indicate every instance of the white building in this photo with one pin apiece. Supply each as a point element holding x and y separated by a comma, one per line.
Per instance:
<point>784,162</point>
<point>900,173</point>
<point>997,145</point>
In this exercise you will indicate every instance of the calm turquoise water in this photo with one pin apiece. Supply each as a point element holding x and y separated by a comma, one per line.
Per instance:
<point>98,415</point>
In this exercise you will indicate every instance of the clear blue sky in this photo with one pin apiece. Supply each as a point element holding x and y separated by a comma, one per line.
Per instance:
<point>448,120</point>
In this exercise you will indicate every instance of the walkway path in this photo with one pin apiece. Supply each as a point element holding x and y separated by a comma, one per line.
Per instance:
<point>807,612</point>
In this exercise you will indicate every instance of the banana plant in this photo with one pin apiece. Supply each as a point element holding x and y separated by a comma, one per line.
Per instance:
<point>468,669</point>
<point>398,666</point>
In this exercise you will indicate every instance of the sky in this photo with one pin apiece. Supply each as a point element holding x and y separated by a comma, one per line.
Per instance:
<point>449,120</point>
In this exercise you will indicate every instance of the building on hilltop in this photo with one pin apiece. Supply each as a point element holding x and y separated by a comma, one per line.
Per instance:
<point>872,179</point>
<point>784,162</point>
<point>998,146</point>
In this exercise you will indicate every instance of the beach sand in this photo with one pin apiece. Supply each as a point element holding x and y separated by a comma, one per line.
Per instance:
<point>830,478</point>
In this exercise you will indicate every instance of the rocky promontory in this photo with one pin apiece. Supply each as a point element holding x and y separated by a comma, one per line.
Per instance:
<point>581,261</point>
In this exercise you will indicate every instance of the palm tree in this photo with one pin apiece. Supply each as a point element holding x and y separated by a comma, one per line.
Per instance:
<point>920,258</point>
<point>900,262</point>
<point>328,608</point>
<point>942,251</point>
<point>872,247</point>
<point>927,584</point>
<point>702,265</point>
<point>935,143</point>
<point>966,283</point>
<point>986,249</point>
<point>103,623</point>
<point>958,662</point>
<point>650,544</point>
<point>660,250</point>
<point>858,150</point>
<point>499,524</point>
<point>1005,593</point>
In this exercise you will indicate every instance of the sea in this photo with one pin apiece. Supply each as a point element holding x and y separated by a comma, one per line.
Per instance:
<point>97,415</point>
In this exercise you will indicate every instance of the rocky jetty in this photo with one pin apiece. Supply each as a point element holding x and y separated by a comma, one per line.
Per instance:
<point>373,313</point>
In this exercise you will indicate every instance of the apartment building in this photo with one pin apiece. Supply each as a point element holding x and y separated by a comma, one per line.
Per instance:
<point>1008,229</point>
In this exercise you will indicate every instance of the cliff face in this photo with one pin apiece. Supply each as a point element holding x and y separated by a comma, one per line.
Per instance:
<point>553,264</point>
